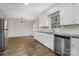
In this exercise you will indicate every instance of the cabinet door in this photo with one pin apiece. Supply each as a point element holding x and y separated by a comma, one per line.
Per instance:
<point>51,41</point>
<point>75,50</point>
<point>47,40</point>
<point>41,38</point>
<point>76,14</point>
<point>43,21</point>
<point>66,15</point>
<point>36,35</point>
<point>75,46</point>
<point>35,25</point>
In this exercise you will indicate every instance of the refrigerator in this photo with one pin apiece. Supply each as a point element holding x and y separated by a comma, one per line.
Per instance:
<point>3,34</point>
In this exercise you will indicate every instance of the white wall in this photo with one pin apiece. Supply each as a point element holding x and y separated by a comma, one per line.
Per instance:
<point>16,29</point>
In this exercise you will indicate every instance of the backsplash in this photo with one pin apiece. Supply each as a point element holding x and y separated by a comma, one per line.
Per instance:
<point>72,29</point>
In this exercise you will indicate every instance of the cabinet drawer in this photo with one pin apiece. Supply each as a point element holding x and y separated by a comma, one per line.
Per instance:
<point>75,50</point>
<point>75,46</point>
<point>75,41</point>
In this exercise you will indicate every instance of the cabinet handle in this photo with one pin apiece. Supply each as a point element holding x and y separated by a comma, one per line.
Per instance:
<point>74,22</point>
<point>72,45</point>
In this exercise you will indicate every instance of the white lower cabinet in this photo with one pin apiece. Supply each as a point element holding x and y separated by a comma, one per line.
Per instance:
<point>36,35</point>
<point>49,41</point>
<point>74,46</point>
<point>45,39</point>
<point>41,37</point>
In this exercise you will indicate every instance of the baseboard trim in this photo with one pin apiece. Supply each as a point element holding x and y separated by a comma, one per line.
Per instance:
<point>20,36</point>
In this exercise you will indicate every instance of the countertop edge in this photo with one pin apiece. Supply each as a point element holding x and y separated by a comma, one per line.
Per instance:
<point>61,34</point>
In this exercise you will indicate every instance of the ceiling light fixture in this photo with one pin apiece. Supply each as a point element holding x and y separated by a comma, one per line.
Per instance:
<point>21,22</point>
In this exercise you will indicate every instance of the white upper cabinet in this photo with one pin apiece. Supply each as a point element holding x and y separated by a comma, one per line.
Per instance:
<point>43,21</point>
<point>76,14</point>
<point>66,15</point>
<point>69,15</point>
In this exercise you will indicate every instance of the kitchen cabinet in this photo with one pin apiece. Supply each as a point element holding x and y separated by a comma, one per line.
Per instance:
<point>41,37</point>
<point>35,25</point>
<point>35,34</point>
<point>66,15</point>
<point>74,46</point>
<point>76,14</point>
<point>43,21</point>
<point>50,41</point>
<point>69,15</point>
<point>45,39</point>
<point>55,19</point>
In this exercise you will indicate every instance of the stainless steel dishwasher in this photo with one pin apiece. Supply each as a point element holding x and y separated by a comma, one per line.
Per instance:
<point>62,45</point>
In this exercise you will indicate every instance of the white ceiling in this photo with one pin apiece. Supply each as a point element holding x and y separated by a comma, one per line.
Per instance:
<point>28,12</point>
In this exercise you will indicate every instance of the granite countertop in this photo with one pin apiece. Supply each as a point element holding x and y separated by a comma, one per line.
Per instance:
<point>68,35</point>
<point>61,34</point>
<point>47,32</point>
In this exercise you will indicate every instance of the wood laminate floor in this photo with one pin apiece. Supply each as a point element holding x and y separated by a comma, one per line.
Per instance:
<point>26,46</point>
